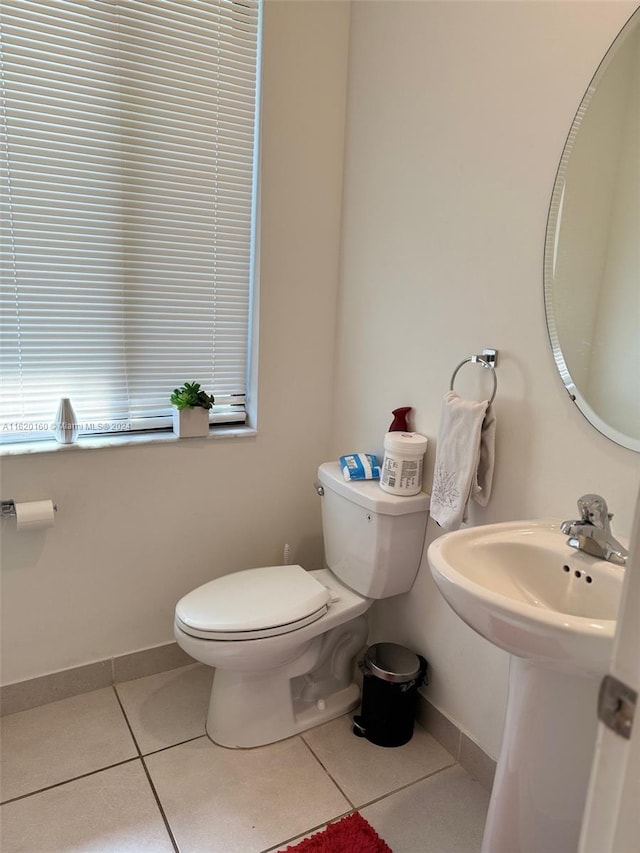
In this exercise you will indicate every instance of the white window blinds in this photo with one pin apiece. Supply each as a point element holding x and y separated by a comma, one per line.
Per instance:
<point>129,177</point>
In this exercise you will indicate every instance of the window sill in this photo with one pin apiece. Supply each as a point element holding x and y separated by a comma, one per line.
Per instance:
<point>96,442</point>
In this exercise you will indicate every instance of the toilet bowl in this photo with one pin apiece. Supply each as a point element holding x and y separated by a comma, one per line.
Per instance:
<point>273,686</point>
<point>283,640</point>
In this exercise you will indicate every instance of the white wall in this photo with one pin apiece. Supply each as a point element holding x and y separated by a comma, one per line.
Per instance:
<point>139,527</point>
<point>457,117</point>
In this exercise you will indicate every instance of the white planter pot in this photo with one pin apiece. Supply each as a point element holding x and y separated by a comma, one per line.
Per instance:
<point>191,423</point>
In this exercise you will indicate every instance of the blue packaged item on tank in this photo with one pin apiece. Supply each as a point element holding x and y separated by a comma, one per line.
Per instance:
<point>360,466</point>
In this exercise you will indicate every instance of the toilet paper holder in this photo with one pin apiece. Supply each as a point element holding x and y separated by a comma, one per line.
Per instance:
<point>8,509</point>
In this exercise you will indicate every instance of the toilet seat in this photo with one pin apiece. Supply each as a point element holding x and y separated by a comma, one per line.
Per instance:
<point>252,604</point>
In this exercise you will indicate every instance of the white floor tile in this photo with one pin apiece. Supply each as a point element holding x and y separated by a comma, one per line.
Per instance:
<point>442,814</point>
<point>280,848</point>
<point>242,800</point>
<point>365,771</point>
<point>216,800</point>
<point>113,811</point>
<point>62,740</point>
<point>167,708</point>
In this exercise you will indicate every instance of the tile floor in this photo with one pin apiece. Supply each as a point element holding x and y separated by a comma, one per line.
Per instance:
<point>129,769</point>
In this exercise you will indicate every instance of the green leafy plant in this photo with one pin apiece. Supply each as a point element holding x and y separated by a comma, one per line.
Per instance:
<point>190,395</point>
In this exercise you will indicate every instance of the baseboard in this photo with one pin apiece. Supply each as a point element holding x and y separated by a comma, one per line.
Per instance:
<point>467,753</point>
<point>32,692</point>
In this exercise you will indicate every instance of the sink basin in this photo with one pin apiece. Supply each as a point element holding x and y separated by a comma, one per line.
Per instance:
<point>554,609</point>
<point>520,585</point>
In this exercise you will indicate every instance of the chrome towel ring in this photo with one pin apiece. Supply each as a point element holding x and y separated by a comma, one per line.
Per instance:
<point>489,360</point>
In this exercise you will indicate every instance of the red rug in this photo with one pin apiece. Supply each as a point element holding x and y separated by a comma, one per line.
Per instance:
<point>351,834</point>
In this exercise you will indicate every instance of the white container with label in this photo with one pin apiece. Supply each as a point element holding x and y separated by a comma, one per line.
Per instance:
<point>403,460</point>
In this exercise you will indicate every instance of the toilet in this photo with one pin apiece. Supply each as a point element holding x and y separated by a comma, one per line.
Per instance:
<point>283,640</point>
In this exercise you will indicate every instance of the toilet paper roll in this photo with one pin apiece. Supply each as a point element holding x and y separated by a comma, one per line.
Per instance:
<point>34,515</point>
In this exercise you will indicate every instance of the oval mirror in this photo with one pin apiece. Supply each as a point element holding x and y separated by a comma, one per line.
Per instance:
<point>592,248</point>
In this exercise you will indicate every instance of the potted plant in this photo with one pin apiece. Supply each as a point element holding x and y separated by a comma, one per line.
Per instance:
<point>191,410</point>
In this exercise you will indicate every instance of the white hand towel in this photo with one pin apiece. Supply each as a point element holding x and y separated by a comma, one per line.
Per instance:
<point>464,459</point>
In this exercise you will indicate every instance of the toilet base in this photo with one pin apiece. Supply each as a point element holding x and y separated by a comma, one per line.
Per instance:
<point>254,709</point>
<point>268,726</point>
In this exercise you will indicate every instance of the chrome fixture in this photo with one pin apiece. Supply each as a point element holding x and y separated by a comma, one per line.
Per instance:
<point>592,533</point>
<point>489,360</point>
<point>7,509</point>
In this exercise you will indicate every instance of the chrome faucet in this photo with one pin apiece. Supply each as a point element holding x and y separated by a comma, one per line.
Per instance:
<point>592,532</point>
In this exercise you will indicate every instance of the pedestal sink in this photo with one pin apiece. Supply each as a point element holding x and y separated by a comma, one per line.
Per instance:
<point>519,585</point>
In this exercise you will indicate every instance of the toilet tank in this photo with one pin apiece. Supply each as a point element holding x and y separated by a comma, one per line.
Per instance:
<point>372,540</point>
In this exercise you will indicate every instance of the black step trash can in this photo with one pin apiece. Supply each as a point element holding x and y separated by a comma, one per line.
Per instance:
<point>392,675</point>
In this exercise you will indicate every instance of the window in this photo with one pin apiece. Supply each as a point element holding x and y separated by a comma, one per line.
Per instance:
<point>129,180</point>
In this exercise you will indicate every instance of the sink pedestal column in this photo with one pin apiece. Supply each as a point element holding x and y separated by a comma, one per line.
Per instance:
<point>543,771</point>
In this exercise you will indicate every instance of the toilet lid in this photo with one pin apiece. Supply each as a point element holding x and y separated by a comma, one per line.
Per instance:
<point>253,603</point>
